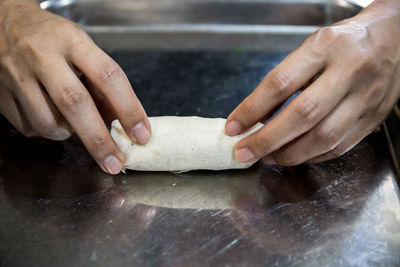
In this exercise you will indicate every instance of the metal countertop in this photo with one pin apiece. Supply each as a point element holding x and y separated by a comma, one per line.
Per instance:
<point>59,209</point>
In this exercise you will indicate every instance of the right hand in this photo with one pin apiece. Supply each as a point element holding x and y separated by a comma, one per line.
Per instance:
<point>348,79</point>
<point>41,93</point>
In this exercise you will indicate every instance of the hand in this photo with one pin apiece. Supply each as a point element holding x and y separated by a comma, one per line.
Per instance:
<point>349,77</point>
<point>41,55</point>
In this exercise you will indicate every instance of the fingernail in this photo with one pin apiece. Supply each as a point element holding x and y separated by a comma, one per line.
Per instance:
<point>268,160</point>
<point>140,133</point>
<point>112,164</point>
<point>244,155</point>
<point>233,128</point>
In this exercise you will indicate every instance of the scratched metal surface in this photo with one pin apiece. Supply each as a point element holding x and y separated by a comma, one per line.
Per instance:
<point>59,209</point>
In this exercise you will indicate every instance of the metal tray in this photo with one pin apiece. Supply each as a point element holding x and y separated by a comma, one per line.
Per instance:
<point>202,24</point>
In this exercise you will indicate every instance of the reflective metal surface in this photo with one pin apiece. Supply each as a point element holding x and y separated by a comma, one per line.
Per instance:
<point>233,12</point>
<point>392,130</point>
<point>202,24</point>
<point>59,209</point>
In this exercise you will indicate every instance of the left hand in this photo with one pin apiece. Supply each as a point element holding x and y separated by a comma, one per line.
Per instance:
<point>352,73</point>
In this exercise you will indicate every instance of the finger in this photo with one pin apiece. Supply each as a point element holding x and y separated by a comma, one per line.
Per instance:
<point>321,139</point>
<point>302,114</point>
<point>341,149</point>
<point>103,104</point>
<point>11,110</point>
<point>108,77</point>
<point>41,113</point>
<point>76,105</point>
<point>378,111</point>
<point>371,104</point>
<point>284,80</point>
<point>355,135</point>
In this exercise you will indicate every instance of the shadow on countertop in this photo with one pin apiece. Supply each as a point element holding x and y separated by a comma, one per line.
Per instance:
<point>259,215</point>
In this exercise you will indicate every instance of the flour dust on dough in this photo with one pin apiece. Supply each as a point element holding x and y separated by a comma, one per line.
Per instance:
<point>182,144</point>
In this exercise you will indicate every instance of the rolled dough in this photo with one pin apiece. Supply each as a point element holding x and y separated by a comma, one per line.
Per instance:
<point>182,144</point>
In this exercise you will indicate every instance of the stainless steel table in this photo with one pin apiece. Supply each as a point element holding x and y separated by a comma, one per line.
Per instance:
<point>59,209</point>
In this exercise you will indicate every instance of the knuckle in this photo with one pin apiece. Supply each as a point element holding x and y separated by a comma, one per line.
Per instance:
<point>318,51</point>
<point>59,134</point>
<point>31,47</point>
<point>327,136</point>
<point>109,71</point>
<point>29,44</point>
<point>327,33</point>
<point>49,128</point>
<point>248,109</point>
<point>326,37</point>
<point>374,96</point>
<point>306,110</point>
<point>27,131</point>
<point>42,63</point>
<point>72,95</point>
<point>132,115</point>
<point>70,30</point>
<point>260,145</point>
<point>100,140</point>
<point>283,158</point>
<point>43,127</point>
<point>382,111</point>
<point>278,82</point>
<point>135,109</point>
<point>6,59</point>
<point>9,67</point>
<point>365,60</point>
<point>337,152</point>
<point>25,41</point>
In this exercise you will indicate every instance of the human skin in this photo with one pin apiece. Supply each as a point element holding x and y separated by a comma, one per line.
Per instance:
<point>43,60</point>
<point>349,78</point>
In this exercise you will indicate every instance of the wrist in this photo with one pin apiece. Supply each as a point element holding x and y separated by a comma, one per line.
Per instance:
<point>392,4</point>
<point>381,14</point>
<point>15,10</point>
<point>18,3</point>
<point>9,6</point>
<point>383,7</point>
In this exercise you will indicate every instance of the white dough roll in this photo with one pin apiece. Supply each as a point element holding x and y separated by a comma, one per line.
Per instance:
<point>182,144</point>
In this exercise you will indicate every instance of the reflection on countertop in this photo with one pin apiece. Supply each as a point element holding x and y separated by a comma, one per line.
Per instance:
<point>59,209</point>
